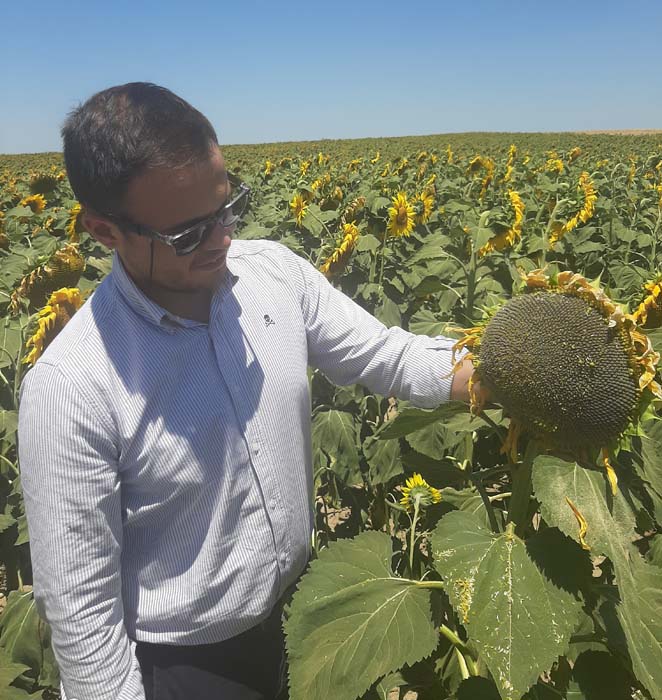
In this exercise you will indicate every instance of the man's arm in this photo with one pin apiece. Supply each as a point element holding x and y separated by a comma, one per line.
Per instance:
<point>351,346</point>
<point>71,487</point>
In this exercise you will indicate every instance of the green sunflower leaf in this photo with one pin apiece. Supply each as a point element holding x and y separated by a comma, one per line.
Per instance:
<point>352,621</point>
<point>609,518</point>
<point>410,420</point>
<point>516,618</point>
<point>610,529</point>
<point>335,444</point>
<point>384,459</point>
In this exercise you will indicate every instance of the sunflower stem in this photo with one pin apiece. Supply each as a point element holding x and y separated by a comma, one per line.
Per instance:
<point>518,508</point>
<point>412,537</point>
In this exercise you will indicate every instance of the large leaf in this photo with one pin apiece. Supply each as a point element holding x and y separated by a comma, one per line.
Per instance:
<point>21,631</point>
<point>352,621</point>
<point>610,529</point>
<point>410,420</point>
<point>9,670</point>
<point>640,614</point>
<point>384,459</point>
<point>335,444</point>
<point>610,520</point>
<point>516,618</point>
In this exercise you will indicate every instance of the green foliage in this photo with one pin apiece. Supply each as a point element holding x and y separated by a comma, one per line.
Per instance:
<point>353,621</point>
<point>548,618</point>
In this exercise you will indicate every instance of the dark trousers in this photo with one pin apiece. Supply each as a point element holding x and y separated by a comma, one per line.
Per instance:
<point>250,666</point>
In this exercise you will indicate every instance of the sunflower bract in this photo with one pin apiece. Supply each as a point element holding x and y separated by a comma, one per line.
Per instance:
<point>561,371</point>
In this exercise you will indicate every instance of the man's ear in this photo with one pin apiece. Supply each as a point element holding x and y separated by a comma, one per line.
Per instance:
<point>101,229</point>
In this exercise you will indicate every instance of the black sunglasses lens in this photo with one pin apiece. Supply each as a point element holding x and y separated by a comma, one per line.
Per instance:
<point>188,243</point>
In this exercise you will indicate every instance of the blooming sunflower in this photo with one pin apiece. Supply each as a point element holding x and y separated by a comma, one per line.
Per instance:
<point>52,318</point>
<point>567,364</point>
<point>298,208</point>
<point>417,489</point>
<point>401,216</point>
<point>269,167</point>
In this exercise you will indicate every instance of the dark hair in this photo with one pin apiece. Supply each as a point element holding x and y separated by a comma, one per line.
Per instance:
<point>123,131</point>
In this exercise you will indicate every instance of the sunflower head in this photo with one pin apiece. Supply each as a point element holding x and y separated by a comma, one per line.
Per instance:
<point>298,207</point>
<point>417,491</point>
<point>36,202</point>
<point>565,362</point>
<point>401,216</point>
<point>52,318</point>
<point>42,183</point>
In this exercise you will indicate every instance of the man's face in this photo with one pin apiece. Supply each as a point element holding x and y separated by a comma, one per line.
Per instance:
<point>167,200</point>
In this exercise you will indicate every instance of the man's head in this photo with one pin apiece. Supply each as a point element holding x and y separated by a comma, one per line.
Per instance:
<point>142,160</point>
<point>122,132</point>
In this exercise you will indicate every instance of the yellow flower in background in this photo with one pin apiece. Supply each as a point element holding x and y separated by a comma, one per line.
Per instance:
<point>386,171</point>
<point>475,166</point>
<point>449,154</point>
<point>583,215</point>
<point>423,206</point>
<point>417,490</point>
<point>514,233</point>
<point>649,312</point>
<point>574,154</point>
<point>303,168</point>
<point>512,152</point>
<point>338,259</point>
<point>376,158</point>
<point>52,318</point>
<point>298,208</point>
<point>554,165</point>
<point>269,167</point>
<point>36,202</point>
<point>74,226</point>
<point>404,162</point>
<point>401,216</point>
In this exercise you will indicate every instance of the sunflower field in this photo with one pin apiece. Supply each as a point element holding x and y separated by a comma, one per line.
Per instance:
<point>506,549</point>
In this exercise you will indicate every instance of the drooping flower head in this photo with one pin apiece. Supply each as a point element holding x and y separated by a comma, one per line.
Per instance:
<point>587,211</point>
<point>298,207</point>
<point>338,259</point>
<point>509,237</point>
<point>423,206</point>
<point>36,202</point>
<point>52,318</point>
<point>567,364</point>
<point>649,312</point>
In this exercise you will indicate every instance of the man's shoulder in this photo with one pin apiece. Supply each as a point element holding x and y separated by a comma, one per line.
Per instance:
<point>264,256</point>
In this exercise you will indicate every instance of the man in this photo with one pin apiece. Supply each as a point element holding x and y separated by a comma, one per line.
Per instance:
<point>165,434</point>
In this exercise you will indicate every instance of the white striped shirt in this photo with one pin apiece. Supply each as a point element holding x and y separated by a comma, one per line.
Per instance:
<point>166,463</point>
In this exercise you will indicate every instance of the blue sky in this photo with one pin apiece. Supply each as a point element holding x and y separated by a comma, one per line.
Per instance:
<point>280,71</point>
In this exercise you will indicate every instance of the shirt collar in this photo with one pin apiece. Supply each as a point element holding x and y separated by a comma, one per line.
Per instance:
<point>149,309</point>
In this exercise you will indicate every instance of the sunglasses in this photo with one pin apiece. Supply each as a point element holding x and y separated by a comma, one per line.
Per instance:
<point>188,239</point>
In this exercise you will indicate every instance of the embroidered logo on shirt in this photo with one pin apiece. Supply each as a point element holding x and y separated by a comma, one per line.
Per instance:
<point>268,321</point>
